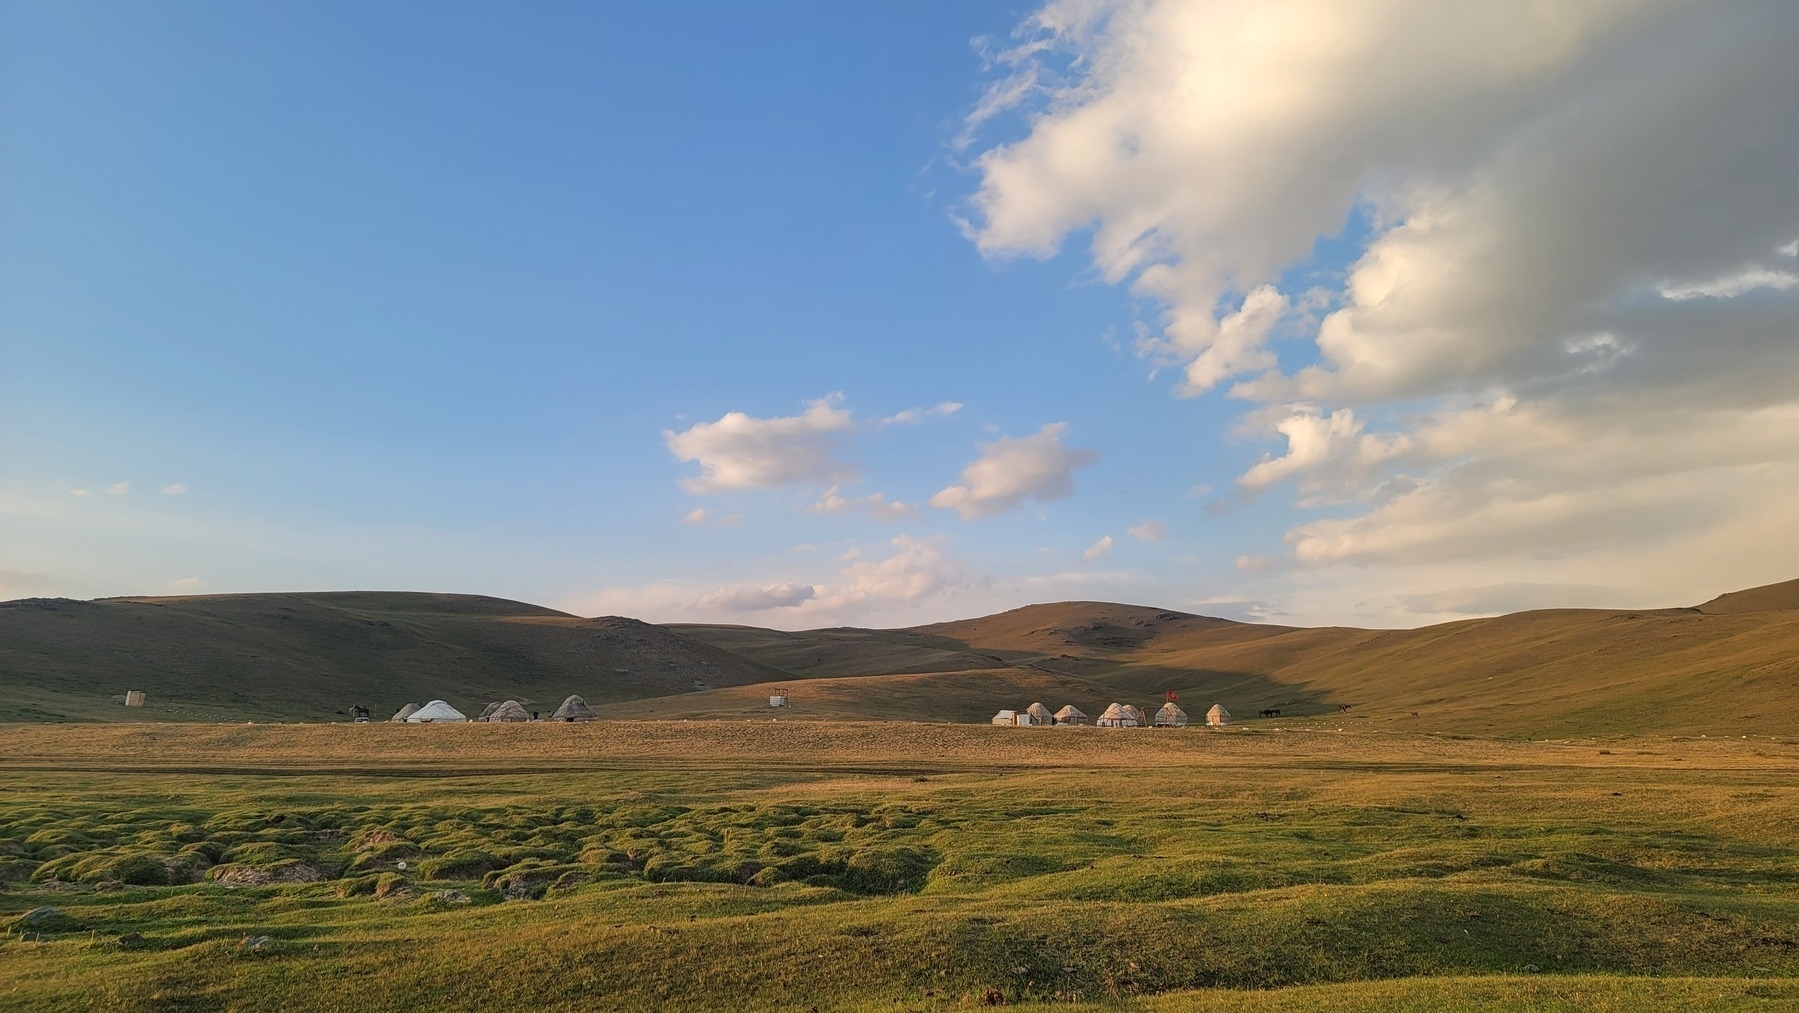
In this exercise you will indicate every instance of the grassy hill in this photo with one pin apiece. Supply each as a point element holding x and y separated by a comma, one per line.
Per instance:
<point>310,657</point>
<point>1730,666</point>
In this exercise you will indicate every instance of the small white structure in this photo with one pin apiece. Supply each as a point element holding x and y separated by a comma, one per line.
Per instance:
<point>1120,716</point>
<point>1026,719</point>
<point>1218,717</point>
<point>1171,716</point>
<point>1141,719</point>
<point>1040,715</point>
<point>1070,715</point>
<point>436,713</point>
<point>134,698</point>
<point>405,712</point>
<point>778,700</point>
<point>1006,718</point>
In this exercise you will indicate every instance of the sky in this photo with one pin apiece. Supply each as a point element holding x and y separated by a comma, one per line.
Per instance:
<point>811,314</point>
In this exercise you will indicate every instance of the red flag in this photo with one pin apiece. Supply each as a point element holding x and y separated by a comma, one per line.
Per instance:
<point>1169,694</point>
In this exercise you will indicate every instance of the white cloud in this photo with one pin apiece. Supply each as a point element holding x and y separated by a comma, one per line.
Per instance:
<point>756,599</point>
<point>186,584</point>
<point>1730,286</point>
<point>1497,381</point>
<point>912,573</point>
<point>118,489</point>
<point>1097,550</point>
<point>695,516</point>
<point>741,451</point>
<point>1148,531</point>
<point>1253,564</point>
<point>80,493</point>
<point>1014,470</point>
<point>876,505</point>
<point>174,489</point>
<point>911,415</point>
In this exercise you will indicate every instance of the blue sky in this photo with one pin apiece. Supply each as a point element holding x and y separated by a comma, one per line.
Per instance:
<point>365,295</point>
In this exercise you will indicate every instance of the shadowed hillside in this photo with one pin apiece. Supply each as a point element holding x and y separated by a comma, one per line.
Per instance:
<point>311,656</point>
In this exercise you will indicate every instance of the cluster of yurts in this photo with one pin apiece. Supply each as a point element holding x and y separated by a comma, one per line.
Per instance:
<point>507,711</point>
<point>1115,716</point>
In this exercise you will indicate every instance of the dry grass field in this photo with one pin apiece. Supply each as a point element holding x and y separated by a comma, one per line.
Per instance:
<point>883,866</point>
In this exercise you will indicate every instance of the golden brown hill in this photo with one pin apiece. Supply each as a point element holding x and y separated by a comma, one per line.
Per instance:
<point>1767,598</point>
<point>274,657</point>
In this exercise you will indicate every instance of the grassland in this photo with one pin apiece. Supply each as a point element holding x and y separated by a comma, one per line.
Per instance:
<point>791,865</point>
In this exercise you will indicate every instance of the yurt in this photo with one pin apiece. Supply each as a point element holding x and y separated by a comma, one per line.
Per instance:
<point>487,711</point>
<point>1070,715</point>
<point>574,709</point>
<point>509,712</point>
<point>1006,718</point>
<point>405,712</point>
<point>1040,715</point>
<point>1119,716</point>
<point>1171,716</point>
<point>1139,718</point>
<point>1218,717</point>
<point>436,713</point>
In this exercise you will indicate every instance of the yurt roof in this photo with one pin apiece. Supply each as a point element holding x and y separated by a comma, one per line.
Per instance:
<point>436,710</point>
<point>405,712</point>
<point>1037,710</point>
<point>573,707</point>
<point>1133,711</point>
<point>487,711</point>
<point>511,710</point>
<point>1171,710</point>
<point>1218,711</point>
<point>1070,711</point>
<point>1113,713</point>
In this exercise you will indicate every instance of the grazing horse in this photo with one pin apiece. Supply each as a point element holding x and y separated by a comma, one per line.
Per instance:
<point>1343,708</point>
<point>1271,712</point>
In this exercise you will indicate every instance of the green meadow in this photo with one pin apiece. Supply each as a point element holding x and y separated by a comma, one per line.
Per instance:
<point>733,866</point>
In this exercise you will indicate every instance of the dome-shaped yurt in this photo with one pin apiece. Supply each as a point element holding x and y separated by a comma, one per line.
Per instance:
<point>574,709</point>
<point>405,712</point>
<point>1071,715</point>
<point>508,713</point>
<point>436,713</point>
<point>1218,717</point>
<point>1171,716</point>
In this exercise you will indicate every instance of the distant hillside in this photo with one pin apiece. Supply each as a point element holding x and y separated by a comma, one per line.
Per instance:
<point>1768,598</point>
<point>1730,666</point>
<point>310,657</point>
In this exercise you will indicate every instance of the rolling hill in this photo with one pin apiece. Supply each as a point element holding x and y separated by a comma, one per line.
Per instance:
<point>1730,666</point>
<point>310,657</point>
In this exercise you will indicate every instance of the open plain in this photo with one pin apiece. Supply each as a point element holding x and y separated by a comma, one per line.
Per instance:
<point>879,866</point>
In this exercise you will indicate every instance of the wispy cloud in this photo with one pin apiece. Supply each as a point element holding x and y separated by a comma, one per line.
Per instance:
<point>1148,531</point>
<point>174,489</point>
<point>1097,550</point>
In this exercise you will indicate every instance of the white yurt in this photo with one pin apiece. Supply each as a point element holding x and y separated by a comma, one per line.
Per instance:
<point>1218,717</point>
<point>1040,715</point>
<point>574,709</point>
<point>509,712</point>
<point>405,712</point>
<point>1171,716</point>
<point>1136,715</point>
<point>1119,716</point>
<point>1006,718</point>
<point>1071,715</point>
<point>487,711</point>
<point>436,713</point>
